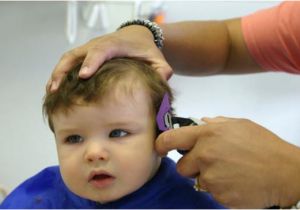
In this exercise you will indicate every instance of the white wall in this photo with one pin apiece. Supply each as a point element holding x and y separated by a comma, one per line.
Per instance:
<point>32,39</point>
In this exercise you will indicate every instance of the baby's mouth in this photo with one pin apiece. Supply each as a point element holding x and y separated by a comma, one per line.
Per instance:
<point>101,180</point>
<point>101,177</point>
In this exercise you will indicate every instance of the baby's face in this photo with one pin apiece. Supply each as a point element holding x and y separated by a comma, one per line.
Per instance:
<point>106,150</point>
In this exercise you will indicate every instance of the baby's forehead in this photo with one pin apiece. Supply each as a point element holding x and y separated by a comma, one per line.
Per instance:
<point>127,94</point>
<point>118,101</point>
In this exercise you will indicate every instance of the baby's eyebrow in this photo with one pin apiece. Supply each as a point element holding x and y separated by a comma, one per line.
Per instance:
<point>129,124</point>
<point>66,130</point>
<point>122,123</point>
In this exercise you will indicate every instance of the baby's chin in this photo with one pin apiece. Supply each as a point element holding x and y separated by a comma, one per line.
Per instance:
<point>110,195</point>
<point>107,199</point>
<point>101,198</point>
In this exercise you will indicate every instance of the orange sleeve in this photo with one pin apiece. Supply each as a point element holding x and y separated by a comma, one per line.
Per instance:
<point>273,37</point>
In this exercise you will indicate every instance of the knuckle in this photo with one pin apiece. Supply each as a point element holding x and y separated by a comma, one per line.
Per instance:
<point>181,169</point>
<point>168,139</point>
<point>100,42</point>
<point>210,145</point>
<point>95,41</point>
<point>219,130</point>
<point>184,168</point>
<point>94,50</point>
<point>57,77</point>
<point>207,156</point>
<point>208,179</point>
<point>69,54</point>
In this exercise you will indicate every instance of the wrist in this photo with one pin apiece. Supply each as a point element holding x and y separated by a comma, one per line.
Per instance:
<point>137,30</point>
<point>290,187</point>
<point>155,30</point>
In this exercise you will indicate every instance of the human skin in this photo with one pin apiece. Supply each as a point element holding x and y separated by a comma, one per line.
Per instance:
<point>114,137</point>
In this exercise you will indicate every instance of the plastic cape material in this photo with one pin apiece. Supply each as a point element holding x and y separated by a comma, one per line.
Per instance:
<point>167,189</point>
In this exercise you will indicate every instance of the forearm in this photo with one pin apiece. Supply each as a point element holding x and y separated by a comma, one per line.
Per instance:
<point>191,48</point>
<point>207,47</point>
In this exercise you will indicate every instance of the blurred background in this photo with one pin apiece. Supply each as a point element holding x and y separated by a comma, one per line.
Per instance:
<point>34,35</point>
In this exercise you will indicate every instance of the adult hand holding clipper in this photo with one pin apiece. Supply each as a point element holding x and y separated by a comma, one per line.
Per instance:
<point>223,153</point>
<point>226,155</point>
<point>166,121</point>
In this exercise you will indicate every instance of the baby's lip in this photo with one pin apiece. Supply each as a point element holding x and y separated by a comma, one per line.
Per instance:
<point>99,174</point>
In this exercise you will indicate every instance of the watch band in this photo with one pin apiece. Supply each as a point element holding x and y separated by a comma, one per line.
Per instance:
<point>152,26</point>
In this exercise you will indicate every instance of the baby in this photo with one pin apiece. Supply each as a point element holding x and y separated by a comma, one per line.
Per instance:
<point>105,130</point>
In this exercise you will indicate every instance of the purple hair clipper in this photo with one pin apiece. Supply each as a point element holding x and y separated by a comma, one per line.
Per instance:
<point>166,121</point>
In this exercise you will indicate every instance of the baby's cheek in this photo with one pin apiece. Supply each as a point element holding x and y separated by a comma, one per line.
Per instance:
<point>144,165</point>
<point>69,173</point>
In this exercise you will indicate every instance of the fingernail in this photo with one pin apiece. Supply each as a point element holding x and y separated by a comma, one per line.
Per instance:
<point>84,70</point>
<point>54,86</point>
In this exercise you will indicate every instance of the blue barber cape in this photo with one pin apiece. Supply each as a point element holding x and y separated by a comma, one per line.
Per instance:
<point>167,189</point>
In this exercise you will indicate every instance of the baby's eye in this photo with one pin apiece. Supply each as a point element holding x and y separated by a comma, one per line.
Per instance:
<point>73,139</point>
<point>118,133</point>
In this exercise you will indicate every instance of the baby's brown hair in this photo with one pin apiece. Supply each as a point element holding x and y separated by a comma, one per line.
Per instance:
<point>111,75</point>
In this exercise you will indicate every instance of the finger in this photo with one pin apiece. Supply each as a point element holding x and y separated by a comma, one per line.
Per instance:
<point>163,68</point>
<point>189,165</point>
<point>165,71</point>
<point>199,185</point>
<point>66,63</point>
<point>218,119</point>
<point>202,183</point>
<point>182,138</point>
<point>48,85</point>
<point>159,63</point>
<point>93,60</point>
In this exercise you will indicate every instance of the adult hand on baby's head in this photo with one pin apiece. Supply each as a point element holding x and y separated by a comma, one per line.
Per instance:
<point>132,41</point>
<point>239,162</point>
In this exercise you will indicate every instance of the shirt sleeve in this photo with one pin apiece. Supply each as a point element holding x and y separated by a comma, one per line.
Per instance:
<point>272,37</point>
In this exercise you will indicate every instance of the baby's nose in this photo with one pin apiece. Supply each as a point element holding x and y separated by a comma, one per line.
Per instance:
<point>96,151</point>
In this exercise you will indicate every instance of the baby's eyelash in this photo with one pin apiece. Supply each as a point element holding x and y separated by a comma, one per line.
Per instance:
<point>74,139</point>
<point>118,133</point>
